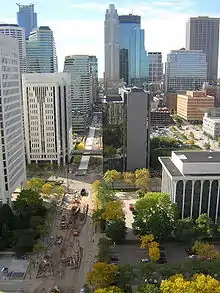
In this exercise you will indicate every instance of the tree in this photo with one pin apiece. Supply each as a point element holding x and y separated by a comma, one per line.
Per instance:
<point>142,179</point>
<point>185,230</point>
<point>39,247</point>
<point>129,178</point>
<point>35,184</point>
<point>154,253</point>
<point>199,283</point>
<point>205,250</point>
<point>6,216</point>
<point>102,275</point>
<point>191,141</point>
<point>25,243</point>
<point>126,275</point>
<point>146,240</point>
<point>204,227</point>
<point>112,289</point>
<point>47,189</point>
<point>35,222</point>
<point>104,250</point>
<point>102,195</point>
<point>111,176</point>
<point>80,146</point>
<point>207,146</point>
<point>116,231</point>
<point>114,211</point>
<point>155,214</point>
<point>59,192</point>
<point>148,288</point>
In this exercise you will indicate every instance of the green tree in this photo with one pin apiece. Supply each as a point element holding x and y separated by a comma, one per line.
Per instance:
<point>191,135</point>
<point>38,248</point>
<point>185,230</point>
<point>35,184</point>
<point>111,176</point>
<point>35,222</point>
<point>109,151</point>
<point>47,189</point>
<point>155,214</point>
<point>204,227</point>
<point>102,194</point>
<point>126,275</point>
<point>24,244</point>
<point>104,250</point>
<point>148,288</point>
<point>6,217</point>
<point>207,146</point>
<point>116,231</point>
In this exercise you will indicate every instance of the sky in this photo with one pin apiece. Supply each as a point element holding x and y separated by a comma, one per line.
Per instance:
<point>78,26</point>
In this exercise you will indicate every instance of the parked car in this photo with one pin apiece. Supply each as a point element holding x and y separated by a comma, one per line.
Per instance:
<point>114,258</point>
<point>145,260</point>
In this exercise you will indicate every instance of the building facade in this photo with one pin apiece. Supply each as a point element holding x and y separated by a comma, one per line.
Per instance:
<point>27,18</point>
<point>111,27</point>
<point>160,117</point>
<point>171,102</point>
<point>137,139</point>
<point>185,70</point>
<point>193,104</point>
<point>192,179</point>
<point>155,68</point>
<point>94,71</point>
<point>16,32</point>
<point>79,68</point>
<point>12,157</point>
<point>202,33</point>
<point>211,123</point>
<point>133,57</point>
<point>47,113</point>
<point>41,51</point>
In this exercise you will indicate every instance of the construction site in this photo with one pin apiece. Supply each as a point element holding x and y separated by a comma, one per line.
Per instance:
<point>63,253</point>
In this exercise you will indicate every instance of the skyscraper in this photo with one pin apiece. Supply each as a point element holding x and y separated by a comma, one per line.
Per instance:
<point>94,71</point>
<point>41,51</point>
<point>133,57</point>
<point>111,46</point>
<point>14,31</point>
<point>155,73</point>
<point>48,117</point>
<point>81,89</point>
<point>185,70</point>
<point>202,33</point>
<point>27,18</point>
<point>12,158</point>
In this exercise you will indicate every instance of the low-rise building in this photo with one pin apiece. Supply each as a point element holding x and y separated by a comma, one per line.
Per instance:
<point>211,123</point>
<point>113,109</point>
<point>171,102</point>
<point>192,179</point>
<point>160,117</point>
<point>193,104</point>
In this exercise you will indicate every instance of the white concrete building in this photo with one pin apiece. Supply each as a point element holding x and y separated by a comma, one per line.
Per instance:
<point>47,114</point>
<point>112,47</point>
<point>193,181</point>
<point>155,68</point>
<point>79,67</point>
<point>211,123</point>
<point>12,157</point>
<point>17,32</point>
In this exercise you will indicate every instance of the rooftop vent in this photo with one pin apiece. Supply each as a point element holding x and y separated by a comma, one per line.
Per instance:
<point>210,157</point>
<point>183,157</point>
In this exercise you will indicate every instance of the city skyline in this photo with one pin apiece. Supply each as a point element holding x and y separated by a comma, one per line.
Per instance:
<point>158,19</point>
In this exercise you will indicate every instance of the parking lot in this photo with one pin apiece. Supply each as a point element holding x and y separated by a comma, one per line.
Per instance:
<point>12,268</point>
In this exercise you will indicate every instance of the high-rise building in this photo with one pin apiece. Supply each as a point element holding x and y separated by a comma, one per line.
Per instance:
<point>202,33</point>
<point>185,70</point>
<point>12,157</point>
<point>133,57</point>
<point>155,69</point>
<point>111,46</point>
<point>27,18</point>
<point>41,51</point>
<point>79,68</point>
<point>14,31</point>
<point>47,113</point>
<point>94,71</point>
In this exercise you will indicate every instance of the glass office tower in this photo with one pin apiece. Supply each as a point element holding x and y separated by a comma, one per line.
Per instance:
<point>27,18</point>
<point>41,51</point>
<point>133,57</point>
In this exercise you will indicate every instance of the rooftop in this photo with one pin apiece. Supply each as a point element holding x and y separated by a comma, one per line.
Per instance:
<point>114,98</point>
<point>170,166</point>
<point>199,157</point>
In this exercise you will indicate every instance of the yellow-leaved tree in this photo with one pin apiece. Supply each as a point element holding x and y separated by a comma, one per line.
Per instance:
<point>47,189</point>
<point>114,211</point>
<point>154,253</point>
<point>95,187</point>
<point>200,283</point>
<point>80,146</point>
<point>129,178</point>
<point>142,179</point>
<point>111,289</point>
<point>205,250</point>
<point>102,275</point>
<point>35,184</point>
<point>111,176</point>
<point>147,241</point>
